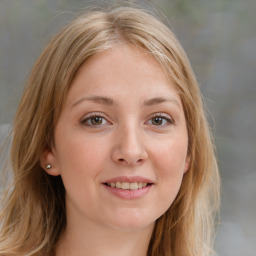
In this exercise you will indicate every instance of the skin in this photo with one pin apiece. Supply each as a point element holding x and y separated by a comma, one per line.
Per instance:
<point>133,136</point>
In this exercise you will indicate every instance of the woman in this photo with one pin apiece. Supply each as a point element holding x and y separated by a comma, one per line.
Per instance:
<point>111,150</point>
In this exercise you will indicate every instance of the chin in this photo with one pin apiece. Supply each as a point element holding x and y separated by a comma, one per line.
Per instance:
<point>132,222</point>
<point>132,227</point>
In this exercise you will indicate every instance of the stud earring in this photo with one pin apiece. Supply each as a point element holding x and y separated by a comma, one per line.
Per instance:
<point>48,166</point>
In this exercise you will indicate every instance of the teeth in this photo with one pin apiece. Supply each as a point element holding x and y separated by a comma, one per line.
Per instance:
<point>118,184</point>
<point>134,186</point>
<point>127,185</point>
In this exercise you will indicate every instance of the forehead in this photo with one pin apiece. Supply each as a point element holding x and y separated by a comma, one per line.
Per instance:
<point>119,71</point>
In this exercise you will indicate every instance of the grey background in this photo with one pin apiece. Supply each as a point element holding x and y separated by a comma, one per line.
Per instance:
<point>219,37</point>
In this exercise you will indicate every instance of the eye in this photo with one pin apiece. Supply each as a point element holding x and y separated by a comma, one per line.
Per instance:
<point>94,120</point>
<point>161,120</point>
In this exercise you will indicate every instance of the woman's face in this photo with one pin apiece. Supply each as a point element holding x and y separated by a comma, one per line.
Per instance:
<point>121,141</point>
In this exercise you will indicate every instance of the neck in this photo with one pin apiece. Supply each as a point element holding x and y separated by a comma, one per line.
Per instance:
<point>91,239</point>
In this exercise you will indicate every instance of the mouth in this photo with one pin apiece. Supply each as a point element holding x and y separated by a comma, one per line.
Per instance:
<point>128,185</point>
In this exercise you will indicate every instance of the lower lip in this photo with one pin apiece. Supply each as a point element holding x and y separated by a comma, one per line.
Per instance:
<point>128,194</point>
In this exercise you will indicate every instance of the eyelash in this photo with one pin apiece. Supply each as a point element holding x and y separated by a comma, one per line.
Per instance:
<point>84,121</point>
<point>90,117</point>
<point>167,118</point>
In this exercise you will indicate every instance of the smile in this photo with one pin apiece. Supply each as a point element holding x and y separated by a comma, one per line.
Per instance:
<point>128,185</point>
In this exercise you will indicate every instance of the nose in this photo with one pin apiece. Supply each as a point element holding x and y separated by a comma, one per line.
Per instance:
<point>129,149</point>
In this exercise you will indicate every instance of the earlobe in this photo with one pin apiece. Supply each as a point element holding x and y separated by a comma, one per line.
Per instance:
<point>48,162</point>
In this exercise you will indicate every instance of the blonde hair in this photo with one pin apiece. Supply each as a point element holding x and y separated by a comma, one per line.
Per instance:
<point>33,213</point>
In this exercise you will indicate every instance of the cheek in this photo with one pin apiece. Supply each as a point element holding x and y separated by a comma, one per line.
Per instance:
<point>81,161</point>
<point>81,157</point>
<point>170,157</point>
<point>169,166</point>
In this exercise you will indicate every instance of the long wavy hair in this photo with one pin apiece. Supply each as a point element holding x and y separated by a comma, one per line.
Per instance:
<point>33,212</point>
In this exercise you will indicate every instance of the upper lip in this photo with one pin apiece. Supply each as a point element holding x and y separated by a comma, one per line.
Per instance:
<point>129,179</point>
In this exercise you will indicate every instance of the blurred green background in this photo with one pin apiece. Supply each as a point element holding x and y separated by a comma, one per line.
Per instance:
<point>219,37</point>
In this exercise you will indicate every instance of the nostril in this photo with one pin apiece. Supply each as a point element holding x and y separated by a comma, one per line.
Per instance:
<point>129,160</point>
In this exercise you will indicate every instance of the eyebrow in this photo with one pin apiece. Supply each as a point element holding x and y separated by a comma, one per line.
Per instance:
<point>110,102</point>
<point>159,100</point>
<point>97,99</point>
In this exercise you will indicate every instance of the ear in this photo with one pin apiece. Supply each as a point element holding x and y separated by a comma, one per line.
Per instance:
<point>49,158</point>
<point>187,164</point>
